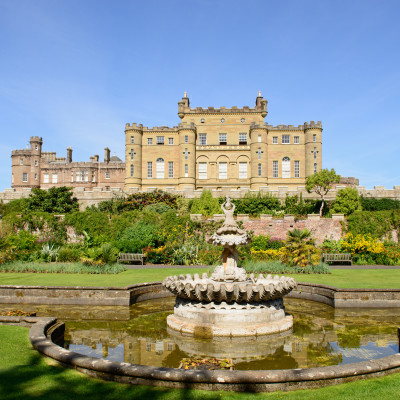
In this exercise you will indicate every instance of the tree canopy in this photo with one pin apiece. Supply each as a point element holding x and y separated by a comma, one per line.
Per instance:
<point>321,183</point>
<point>58,200</point>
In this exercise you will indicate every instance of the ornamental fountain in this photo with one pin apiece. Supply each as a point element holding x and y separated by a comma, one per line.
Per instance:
<point>229,303</point>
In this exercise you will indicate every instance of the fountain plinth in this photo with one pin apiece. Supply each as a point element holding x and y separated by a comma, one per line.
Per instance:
<point>229,303</point>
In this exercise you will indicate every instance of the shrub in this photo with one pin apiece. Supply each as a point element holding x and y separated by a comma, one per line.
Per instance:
<point>55,200</point>
<point>347,201</point>
<point>69,254</point>
<point>256,204</point>
<point>159,255</point>
<point>264,242</point>
<point>137,237</point>
<point>159,208</point>
<point>205,205</point>
<point>373,204</point>
<point>210,255</point>
<point>49,253</point>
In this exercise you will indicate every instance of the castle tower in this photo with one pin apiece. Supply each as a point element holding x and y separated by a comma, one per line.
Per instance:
<point>36,153</point>
<point>258,156</point>
<point>187,155</point>
<point>313,147</point>
<point>133,155</point>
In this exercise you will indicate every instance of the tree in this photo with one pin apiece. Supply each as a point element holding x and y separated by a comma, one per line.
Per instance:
<point>57,200</point>
<point>347,201</point>
<point>321,183</point>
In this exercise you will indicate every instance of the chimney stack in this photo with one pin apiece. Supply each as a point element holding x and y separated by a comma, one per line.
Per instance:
<point>69,155</point>
<point>107,155</point>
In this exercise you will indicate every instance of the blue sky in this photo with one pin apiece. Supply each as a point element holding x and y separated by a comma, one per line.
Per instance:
<point>75,71</point>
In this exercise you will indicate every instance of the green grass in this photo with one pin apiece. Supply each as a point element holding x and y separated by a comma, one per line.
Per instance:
<point>24,374</point>
<point>344,278</point>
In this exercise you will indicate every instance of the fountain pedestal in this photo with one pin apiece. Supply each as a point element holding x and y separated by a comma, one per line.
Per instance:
<point>229,303</point>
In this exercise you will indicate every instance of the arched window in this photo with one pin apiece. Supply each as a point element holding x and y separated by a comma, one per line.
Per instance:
<point>285,167</point>
<point>160,168</point>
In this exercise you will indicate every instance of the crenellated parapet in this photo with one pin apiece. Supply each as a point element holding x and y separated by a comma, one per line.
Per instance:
<point>260,107</point>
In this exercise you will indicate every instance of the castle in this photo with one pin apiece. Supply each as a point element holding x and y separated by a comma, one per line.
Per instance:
<point>34,168</point>
<point>213,148</point>
<point>221,147</point>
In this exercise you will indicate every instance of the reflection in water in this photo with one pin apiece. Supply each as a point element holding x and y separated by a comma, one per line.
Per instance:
<point>138,334</point>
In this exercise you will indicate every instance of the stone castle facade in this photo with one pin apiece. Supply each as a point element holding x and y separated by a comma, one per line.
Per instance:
<point>216,148</point>
<point>34,168</point>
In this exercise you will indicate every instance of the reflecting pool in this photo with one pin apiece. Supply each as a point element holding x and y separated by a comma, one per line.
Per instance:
<point>321,336</point>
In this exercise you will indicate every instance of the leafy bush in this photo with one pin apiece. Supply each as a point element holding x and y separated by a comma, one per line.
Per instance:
<point>187,254</point>
<point>264,242</point>
<point>256,204</point>
<point>159,255</point>
<point>138,237</point>
<point>374,223</point>
<point>69,254</point>
<point>373,204</point>
<point>159,208</point>
<point>57,200</point>
<point>347,201</point>
<point>205,205</point>
<point>49,253</point>
<point>210,255</point>
<point>138,201</point>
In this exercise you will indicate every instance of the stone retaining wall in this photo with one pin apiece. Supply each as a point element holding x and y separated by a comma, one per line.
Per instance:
<point>335,297</point>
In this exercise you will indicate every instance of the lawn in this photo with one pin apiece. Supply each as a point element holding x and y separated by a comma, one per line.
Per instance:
<point>344,278</point>
<point>25,374</point>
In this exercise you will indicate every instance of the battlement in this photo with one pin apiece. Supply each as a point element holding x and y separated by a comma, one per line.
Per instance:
<point>305,126</point>
<point>260,107</point>
<point>22,152</point>
<point>182,125</point>
<point>35,139</point>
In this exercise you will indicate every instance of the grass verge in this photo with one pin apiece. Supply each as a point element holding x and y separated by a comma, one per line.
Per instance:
<point>344,278</point>
<point>24,374</point>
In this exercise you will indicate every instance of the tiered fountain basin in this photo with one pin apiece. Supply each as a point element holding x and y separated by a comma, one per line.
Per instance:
<point>209,308</point>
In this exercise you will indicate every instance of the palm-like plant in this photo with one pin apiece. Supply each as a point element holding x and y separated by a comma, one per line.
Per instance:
<point>299,248</point>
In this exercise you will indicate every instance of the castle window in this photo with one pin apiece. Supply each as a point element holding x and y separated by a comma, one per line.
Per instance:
<point>36,147</point>
<point>296,140</point>
<point>222,139</point>
<point>315,152</point>
<point>286,167</point>
<point>259,153</point>
<point>242,120</point>
<point>285,139</point>
<point>222,120</point>
<point>275,171</point>
<point>186,154</point>
<point>202,170</point>
<point>170,346</point>
<point>150,141</point>
<point>83,175</point>
<point>202,120</point>
<point>148,346</point>
<point>275,140</point>
<point>131,170</point>
<point>202,139</point>
<point>107,188</point>
<point>132,140</point>
<point>243,170</point>
<point>36,163</point>
<point>93,177</point>
<point>45,178</point>
<point>24,177</point>
<point>160,168</point>
<point>54,178</point>
<point>21,161</point>
<point>171,140</point>
<point>315,168</point>
<point>86,176</point>
<point>297,169</point>
<point>160,139</point>
<point>170,169</point>
<point>186,170</point>
<point>242,138</point>
<point>314,137</point>
<point>223,170</point>
<point>186,139</point>
<point>149,169</point>
<point>259,169</point>
<point>259,139</point>
<point>132,154</point>
<point>72,176</point>
<point>35,177</point>
<point>107,175</point>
